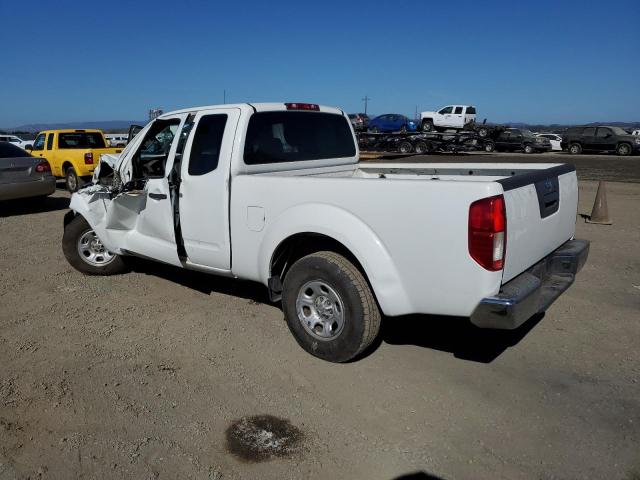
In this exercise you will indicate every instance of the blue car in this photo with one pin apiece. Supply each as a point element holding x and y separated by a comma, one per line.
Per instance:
<point>392,122</point>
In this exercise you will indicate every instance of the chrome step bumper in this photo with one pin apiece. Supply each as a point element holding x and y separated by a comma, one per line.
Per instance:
<point>534,290</point>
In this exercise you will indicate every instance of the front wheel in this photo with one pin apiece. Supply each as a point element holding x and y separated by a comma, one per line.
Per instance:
<point>528,149</point>
<point>85,252</point>
<point>427,126</point>
<point>489,147</point>
<point>329,307</point>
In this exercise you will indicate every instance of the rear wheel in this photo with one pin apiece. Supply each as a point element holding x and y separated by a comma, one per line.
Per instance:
<point>72,180</point>
<point>85,252</point>
<point>528,148</point>
<point>421,147</point>
<point>575,148</point>
<point>405,147</point>
<point>483,132</point>
<point>329,307</point>
<point>489,147</point>
<point>623,149</point>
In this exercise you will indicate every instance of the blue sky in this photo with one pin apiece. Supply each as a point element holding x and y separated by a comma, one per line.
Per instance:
<point>543,61</point>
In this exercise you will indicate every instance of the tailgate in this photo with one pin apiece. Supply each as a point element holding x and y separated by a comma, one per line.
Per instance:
<point>541,209</point>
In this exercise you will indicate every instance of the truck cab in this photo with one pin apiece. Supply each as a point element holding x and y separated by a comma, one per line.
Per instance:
<point>450,117</point>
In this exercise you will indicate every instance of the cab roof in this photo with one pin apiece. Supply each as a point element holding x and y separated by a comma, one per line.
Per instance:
<point>255,107</point>
<point>71,130</point>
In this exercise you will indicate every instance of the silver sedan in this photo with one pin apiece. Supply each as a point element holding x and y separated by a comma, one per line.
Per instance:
<point>23,176</point>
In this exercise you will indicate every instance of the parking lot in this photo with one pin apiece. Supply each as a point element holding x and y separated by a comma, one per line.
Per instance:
<point>145,375</point>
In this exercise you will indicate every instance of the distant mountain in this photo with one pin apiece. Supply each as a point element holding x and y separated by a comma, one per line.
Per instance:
<point>122,125</point>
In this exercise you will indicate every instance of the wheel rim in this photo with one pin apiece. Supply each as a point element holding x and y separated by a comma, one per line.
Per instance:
<point>489,148</point>
<point>420,148</point>
<point>72,182</point>
<point>405,148</point>
<point>320,310</point>
<point>426,127</point>
<point>528,149</point>
<point>92,250</point>
<point>574,149</point>
<point>623,149</point>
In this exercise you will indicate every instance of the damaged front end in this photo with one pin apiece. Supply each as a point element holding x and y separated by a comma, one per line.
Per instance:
<point>111,203</point>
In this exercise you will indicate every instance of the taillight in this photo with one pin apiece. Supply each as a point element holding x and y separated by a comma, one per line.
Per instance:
<point>43,166</point>
<point>488,232</point>
<point>88,158</point>
<point>302,106</point>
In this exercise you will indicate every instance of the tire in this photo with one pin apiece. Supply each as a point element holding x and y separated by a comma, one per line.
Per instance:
<point>623,149</point>
<point>427,126</point>
<point>528,148</point>
<point>489,147</point>
<point>344,296</point>
<point>575,148</point>
<point>421,148</point>
<point>72,180</point>
<point>483,132</point>
<point>405,147</point>
<point>78,232</point>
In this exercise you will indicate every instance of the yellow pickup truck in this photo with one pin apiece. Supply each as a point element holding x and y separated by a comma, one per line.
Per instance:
<point>72,154</point>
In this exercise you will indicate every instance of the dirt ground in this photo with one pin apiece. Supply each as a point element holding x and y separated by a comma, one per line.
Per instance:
<point>157,374</point>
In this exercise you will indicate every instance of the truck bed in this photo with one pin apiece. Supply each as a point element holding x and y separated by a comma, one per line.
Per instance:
<point>418,224</point>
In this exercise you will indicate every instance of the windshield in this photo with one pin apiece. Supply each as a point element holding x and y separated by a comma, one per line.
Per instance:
<point>619,131</point>
<point>527,133</point>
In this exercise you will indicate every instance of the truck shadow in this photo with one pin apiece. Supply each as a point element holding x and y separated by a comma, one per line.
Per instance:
<point>456,335</point>
<point>25,206</point>
<point>202,282</point>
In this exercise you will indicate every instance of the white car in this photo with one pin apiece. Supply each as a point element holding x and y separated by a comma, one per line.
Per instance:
<point>635,132</point>
<point>274,193</point>
<point>553,138</point>
<point>17,141</point>
<point>450,117</point>
<point>116,139</point>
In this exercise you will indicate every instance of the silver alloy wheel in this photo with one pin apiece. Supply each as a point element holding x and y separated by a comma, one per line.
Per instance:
<point>320,310</point>
<point>574,148</point>
<point>528,149</point>
<point>72,183</point>
<point>624,149</point>
<point>92,250</point>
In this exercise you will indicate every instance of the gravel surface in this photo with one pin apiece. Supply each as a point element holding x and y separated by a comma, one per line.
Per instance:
<point>159,373</point>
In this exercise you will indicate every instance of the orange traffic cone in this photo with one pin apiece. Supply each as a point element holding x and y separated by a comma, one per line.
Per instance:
<point>600,212</point>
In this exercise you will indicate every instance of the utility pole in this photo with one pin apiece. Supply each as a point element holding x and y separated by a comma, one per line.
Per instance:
<point>224,96</point>
<point>366,101</point>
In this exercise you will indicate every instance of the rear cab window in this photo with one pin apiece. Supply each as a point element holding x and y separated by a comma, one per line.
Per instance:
<point>80,140</point>
<point>289,136</point>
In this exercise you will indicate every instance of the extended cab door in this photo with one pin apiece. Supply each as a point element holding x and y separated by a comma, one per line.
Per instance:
<point>204,189</point>
<point>457,117</point>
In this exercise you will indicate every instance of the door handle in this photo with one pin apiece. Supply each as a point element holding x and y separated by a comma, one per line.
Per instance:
<point>158,196</point>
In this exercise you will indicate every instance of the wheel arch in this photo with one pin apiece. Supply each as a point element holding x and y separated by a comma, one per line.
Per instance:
<point>292,237</point>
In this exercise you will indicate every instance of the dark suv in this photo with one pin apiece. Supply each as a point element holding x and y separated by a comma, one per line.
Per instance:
<point>511,139</point>
<point>600,139</point>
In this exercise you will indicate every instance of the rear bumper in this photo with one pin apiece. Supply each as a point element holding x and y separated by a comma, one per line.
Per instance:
<point>534,290</point>
<point>36,188</point>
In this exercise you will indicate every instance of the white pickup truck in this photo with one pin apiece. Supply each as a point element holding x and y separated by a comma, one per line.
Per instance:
<point>454,117</point>
<point>274,193</point>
